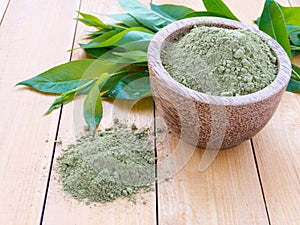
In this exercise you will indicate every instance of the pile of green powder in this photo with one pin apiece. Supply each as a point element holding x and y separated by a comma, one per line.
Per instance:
<point>117,162</point>
<point>219,61</point>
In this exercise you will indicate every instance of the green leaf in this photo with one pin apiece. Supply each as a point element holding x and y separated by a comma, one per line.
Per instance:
<point>295,39</point>
<point>94,34</point>
<point>69,76</point>
<point>145,16</point>
<point>91,20</point>
<point>156,8</point>
<point>67,96</point>
<point>96,52</point>
<point>107,54</point>
<point>294,83</point>
<point>205,13</point>
<point>59,101</point>
<point>176,12</point>
<point>126,58</point>
<point>293,86</point>
<point>140,65</point>
<point>295,53</point>
<point>131,87</point>
<point>114,78</point>
<point>294,34</point>
<point>295,72</point>
<point>61,78</point>
<point>127,19</point>
<point>132,45</point>
<point>218,7</point>
<point>292,29</point>
<point>92,107</point>
<point>140,45</point>
<point>103,37</point>
<point>137,33</point>
<point>295,48</point>
<point>272,22</point>
<point>134,36</point>
<point>257,21</point>
<point>291,15</point>
<point>138,56</point>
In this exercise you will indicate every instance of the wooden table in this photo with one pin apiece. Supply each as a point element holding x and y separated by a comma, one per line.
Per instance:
<point>257,182</point>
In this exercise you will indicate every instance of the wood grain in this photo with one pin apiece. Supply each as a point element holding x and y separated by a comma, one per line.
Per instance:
<point>61,209</point>
<point>3,7</point>
<point>28,47</point>
<point>277,150</point>
<point>295,2</point>
<point>228,192</point>
<point>175,101</point>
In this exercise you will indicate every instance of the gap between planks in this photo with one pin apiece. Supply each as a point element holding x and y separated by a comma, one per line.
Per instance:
<point>56,136</point>
<point>68,207</point>
<point>156,155</point>
<point>251,147</point>
<point>157,217</point>
<point>260,181</point>
<point>3,9</point>
<point>50,167</point>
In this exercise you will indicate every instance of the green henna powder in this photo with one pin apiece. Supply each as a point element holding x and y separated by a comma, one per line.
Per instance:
<point>117,162</point>
<point>219,61</point>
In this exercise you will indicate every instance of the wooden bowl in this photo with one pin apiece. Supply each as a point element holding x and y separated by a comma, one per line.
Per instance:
<point>213,122</point>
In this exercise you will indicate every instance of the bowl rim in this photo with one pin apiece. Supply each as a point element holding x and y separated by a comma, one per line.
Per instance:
<point>157,71</point>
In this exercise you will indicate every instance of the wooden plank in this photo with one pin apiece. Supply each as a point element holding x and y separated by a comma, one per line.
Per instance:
<point>33,37</point>
<point>67,211</point>
<point>3,7</point>
<point>62,209</point>
<point>228,192</point>
<point>277,150</point>
<point>246,11</point>
<point>295,2</point>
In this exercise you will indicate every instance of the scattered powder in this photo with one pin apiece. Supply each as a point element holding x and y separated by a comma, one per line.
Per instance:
<point>117,162</point>
<point>219,61</point>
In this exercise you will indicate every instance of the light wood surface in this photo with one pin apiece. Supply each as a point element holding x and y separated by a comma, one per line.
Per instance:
<point>61,209</point>
<point>32,39</point>
<point>277,151</point>
<point>248,184</point>
<point>294,2</point>
<point>3,7</point>
<point>227,192</point>
<point>216,195</point>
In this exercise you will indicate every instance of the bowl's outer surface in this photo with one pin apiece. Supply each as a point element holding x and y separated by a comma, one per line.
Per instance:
<point>211,121</point>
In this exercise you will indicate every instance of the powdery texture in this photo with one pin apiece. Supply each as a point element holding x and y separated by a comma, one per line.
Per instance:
<point>118,162</point>
<point>219,61</point>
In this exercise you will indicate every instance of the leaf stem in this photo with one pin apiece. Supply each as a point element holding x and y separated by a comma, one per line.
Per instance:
<point>295,75</point>
<point>295,47</point>
<point>80,88</point>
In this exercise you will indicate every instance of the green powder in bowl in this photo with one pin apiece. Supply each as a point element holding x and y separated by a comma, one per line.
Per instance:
<point>220,61</point>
